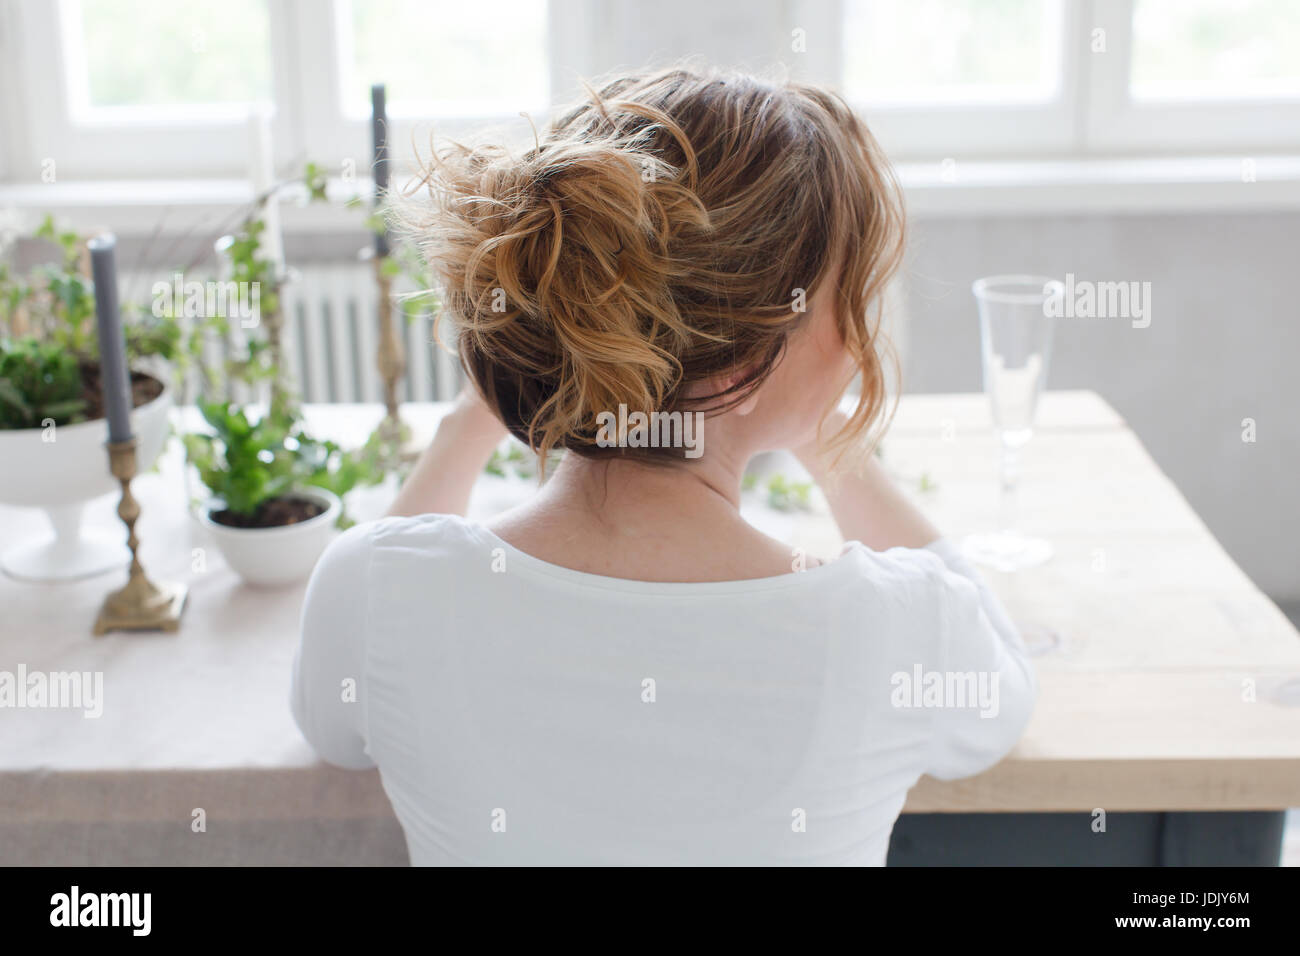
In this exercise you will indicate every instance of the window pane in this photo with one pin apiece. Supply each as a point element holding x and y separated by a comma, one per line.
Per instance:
<point>163,53</point>
<point>445,57</point>
<point>922,52</point>
<point>1215,49</point>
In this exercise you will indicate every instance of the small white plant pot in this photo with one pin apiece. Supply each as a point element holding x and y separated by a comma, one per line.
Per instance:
<point>59,469</point>
<point>274,557</point>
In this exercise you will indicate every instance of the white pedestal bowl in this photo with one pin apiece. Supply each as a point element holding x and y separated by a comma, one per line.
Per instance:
<point>59,470</point>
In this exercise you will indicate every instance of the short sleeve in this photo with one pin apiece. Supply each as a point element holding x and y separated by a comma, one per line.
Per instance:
<point>982,648</point>
<point>327,693</point>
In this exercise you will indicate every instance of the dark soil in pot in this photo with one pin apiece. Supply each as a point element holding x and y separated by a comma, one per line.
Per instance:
<point>144,389</point>
<point>275,513</point>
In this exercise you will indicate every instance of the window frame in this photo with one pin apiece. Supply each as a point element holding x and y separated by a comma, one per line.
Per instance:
<point>1092,114</point>
<point>135,143</point>
<point>983,130</point>
<point>1117,122</point>
<point>328,135</point>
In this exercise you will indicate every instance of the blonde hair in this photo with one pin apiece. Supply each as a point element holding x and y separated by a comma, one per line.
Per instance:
<point>654,238</point>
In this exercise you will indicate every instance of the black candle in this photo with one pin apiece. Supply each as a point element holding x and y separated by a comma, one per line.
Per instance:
<point>114,377</point>
<point>379,163</point>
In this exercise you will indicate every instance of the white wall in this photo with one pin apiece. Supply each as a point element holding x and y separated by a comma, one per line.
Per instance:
<point>1223,345</point>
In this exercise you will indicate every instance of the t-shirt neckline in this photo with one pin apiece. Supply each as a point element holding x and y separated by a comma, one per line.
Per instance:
<point>517,558</point>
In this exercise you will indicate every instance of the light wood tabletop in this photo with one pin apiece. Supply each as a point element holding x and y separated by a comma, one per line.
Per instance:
<point>1163,695</point>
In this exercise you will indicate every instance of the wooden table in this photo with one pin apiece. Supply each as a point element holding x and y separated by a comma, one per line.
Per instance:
<point>1163,697</point>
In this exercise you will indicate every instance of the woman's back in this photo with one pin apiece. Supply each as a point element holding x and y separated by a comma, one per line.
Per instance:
<point>680,274</point>
<point>522,712</point>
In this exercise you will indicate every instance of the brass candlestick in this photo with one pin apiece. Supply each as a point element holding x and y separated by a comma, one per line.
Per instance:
<point>391,362</point>
<point>392,357</point>
<point>142,605</point>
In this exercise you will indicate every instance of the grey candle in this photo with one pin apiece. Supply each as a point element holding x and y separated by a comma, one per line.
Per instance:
<point>114,378</point>
<point>379,163</point>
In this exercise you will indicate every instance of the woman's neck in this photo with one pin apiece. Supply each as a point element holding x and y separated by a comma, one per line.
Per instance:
<point>629,519</point>
<point>702,484</point>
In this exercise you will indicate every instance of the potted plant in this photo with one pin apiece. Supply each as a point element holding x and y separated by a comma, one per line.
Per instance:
<point>274,491</point>
<point>52,427</point>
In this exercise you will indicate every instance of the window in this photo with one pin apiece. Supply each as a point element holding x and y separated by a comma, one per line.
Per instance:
<point>104,89</point>
<point>209,55</point>
<point>1194,75</point>
<point>1215,49</point>
<point>934,52</point>
<point>939,78</point>
<point>994,78</point>
<point>438,60</point>
<point>131,88</point>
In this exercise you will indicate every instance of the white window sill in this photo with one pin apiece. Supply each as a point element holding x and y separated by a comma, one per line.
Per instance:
<point>934,190</point>
<point>1102,186</point>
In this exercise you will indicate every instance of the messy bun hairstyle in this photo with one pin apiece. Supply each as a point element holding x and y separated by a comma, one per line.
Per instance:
<point>654,240</point>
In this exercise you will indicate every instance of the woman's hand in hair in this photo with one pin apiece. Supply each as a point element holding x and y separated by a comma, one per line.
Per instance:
<point>443,477</point>
<point>470,407</point>
<point>867,505</point>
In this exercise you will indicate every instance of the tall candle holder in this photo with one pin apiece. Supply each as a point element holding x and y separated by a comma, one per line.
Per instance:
<point>391,359</point>
<point>142,605</point>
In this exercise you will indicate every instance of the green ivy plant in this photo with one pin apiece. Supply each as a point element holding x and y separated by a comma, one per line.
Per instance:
<point>518,460</point>
<point>781,493</point>
<point>39,382</point>
<point>48,337</point>
<point>786,495</point>
<point>513,458</point>
<point>246,462</point>
<point>55,303</point>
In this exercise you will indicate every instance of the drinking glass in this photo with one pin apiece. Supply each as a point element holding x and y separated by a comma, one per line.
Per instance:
<point>1016,345</point>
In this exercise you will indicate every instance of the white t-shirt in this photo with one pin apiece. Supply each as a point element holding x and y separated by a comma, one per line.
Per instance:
<point>520,712</point>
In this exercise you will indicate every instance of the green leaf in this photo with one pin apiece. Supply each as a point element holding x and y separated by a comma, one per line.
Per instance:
<point>41,380</point>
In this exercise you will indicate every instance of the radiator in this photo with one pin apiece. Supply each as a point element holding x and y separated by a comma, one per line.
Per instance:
<point>331,339</point>
<point>332,343</point>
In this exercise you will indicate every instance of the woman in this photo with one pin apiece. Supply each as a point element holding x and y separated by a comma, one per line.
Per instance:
<point>622,670</point>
